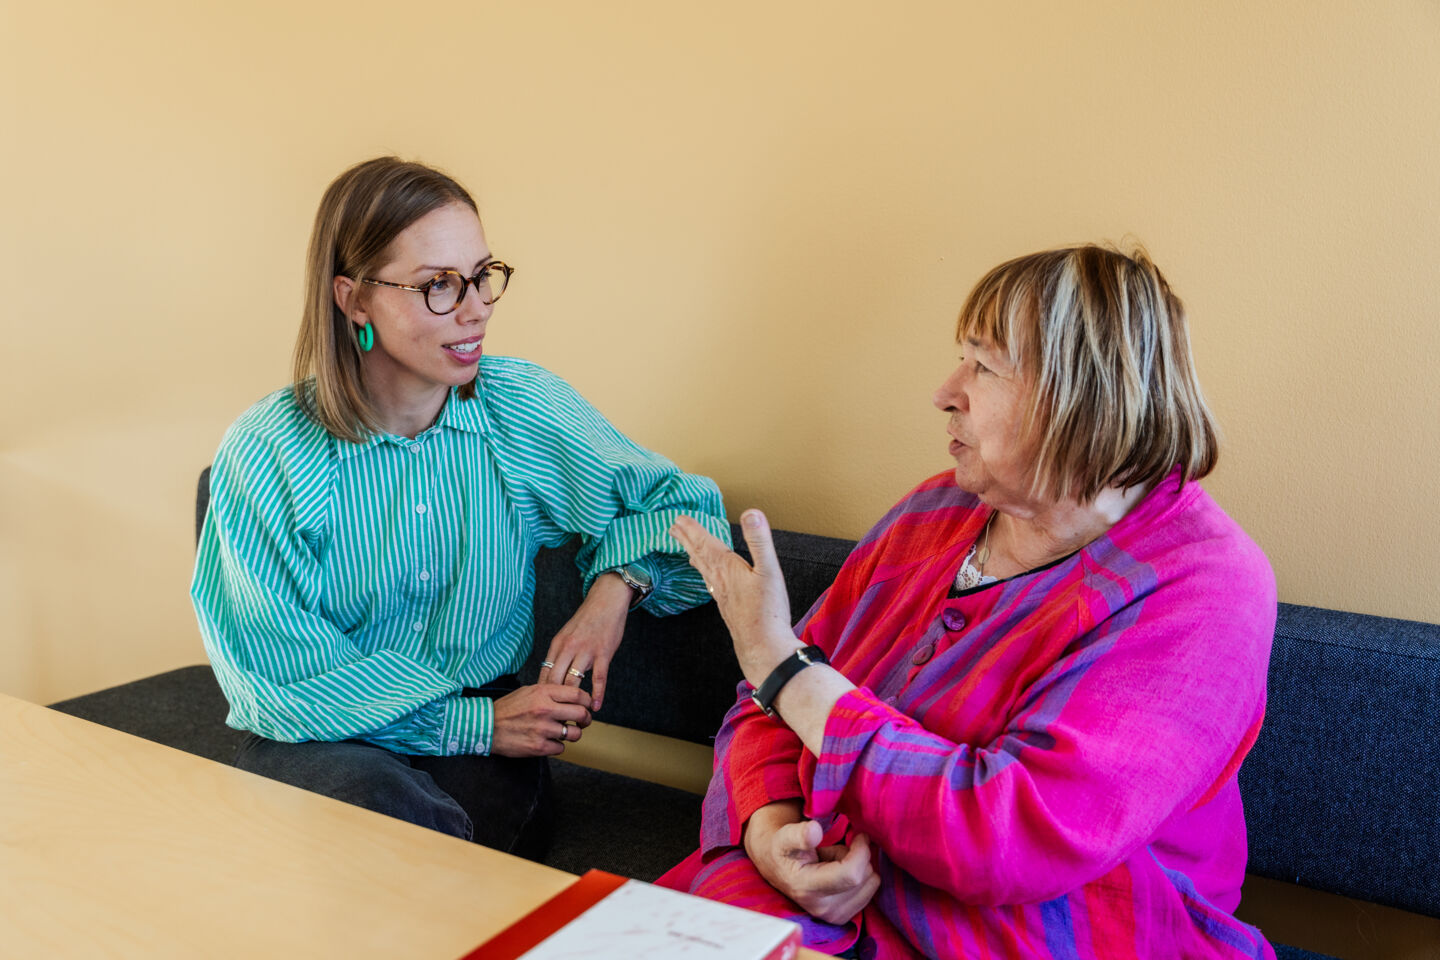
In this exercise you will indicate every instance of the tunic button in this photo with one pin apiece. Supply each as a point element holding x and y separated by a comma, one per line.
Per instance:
<point>420,508</point>
<point>923,655</point>
<point>424,575</point>
<point>953,619</point>
<point>419,625</point>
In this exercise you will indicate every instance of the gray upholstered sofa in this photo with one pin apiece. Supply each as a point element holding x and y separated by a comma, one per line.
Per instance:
<point>1342,789</point>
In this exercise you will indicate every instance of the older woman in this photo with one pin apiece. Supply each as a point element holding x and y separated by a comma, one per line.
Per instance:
<point>1044,667</point>
<point>365,583</point>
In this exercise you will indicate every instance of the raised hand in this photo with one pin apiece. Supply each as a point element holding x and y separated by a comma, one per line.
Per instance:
<point>752,599</point>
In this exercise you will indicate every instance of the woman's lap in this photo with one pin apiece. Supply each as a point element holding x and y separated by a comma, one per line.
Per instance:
<point>501,802</point>
<point>731,877</point>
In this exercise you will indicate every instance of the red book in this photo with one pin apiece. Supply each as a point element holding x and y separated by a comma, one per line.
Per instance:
<point>602,916</point>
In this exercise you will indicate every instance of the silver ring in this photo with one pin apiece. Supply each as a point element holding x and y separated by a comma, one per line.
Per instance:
<point>564,732</point>
<point>546,664</point>
<point>578,674</point>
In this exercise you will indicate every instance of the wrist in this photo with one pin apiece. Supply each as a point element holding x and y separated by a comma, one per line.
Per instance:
<point>778,649</point>
<point>790,666</point>
<point>764,822</point>
<point>608,588</point>
<point>637,581</point>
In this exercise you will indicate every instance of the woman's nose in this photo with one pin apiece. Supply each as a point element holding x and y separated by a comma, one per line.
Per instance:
<point>947,396</point>
<point>473,308</point>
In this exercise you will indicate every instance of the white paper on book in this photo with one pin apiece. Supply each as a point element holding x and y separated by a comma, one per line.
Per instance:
<point>640,921</point>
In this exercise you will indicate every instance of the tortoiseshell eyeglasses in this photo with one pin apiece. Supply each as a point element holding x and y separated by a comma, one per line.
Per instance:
<point>445,291</point>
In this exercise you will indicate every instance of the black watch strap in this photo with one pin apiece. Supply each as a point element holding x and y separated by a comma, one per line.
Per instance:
<point>765,696</point>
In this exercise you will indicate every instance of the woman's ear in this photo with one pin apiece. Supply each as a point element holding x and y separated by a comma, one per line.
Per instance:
<point>348,299</point>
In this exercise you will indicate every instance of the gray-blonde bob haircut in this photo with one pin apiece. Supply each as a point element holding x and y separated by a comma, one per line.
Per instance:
<point>1103,342</point>
<point>361,213</point>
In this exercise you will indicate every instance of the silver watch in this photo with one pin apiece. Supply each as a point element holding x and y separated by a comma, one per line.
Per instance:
<point>636,579</point>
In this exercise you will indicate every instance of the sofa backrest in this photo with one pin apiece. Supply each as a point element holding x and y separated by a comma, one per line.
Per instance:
<point>1342,788</point>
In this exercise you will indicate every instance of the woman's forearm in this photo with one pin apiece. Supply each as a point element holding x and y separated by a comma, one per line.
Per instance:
<point>760,831</point>
<point>806,701</point>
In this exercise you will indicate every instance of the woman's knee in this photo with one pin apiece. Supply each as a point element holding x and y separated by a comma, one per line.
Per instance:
<point>360,774</point>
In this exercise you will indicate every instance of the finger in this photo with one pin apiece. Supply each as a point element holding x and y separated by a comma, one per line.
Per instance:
<point>704,549</point>
<point>561,659</point>
<point>574,673</point>
<point>571,713</point>
<point>757,537</point>
<point>688,532</point>
<point>598,676</point>
<point>560,693</point>
<point>867,890</point>
<point>548,664</point>
<point>856,861</point>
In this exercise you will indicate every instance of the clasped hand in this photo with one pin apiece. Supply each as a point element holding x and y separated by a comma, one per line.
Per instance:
<point>831,883</point>
<point>539,720</point>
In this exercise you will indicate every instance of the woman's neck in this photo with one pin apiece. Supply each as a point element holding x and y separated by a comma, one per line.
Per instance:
<point>404,408</point>
<point>1025,538</point>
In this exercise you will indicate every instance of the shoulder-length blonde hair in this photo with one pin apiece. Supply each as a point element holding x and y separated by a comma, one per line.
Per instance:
<point>1114,399</point>
<point>362,211</point>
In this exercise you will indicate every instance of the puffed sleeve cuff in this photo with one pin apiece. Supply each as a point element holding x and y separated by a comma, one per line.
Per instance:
<point>853,722</point>
<point>469,726</point>
<point>644,540</point>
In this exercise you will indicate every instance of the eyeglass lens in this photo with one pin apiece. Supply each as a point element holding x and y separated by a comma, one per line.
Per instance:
<point>445,291</point>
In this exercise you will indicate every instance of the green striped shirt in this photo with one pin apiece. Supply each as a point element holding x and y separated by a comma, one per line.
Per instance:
<point>351,591</point>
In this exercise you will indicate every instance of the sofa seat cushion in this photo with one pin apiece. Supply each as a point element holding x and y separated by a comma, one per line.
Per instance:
<point>181,708</point>
<point>626,826</point>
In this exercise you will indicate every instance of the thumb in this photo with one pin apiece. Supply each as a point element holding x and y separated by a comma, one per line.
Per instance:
<point>801,840</point>
<point>757,537</point>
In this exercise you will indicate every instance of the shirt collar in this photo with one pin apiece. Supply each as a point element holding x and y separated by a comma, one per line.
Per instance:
<point>467,416</point>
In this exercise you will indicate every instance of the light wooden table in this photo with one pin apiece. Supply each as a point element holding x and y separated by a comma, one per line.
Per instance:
<point>112,846</point>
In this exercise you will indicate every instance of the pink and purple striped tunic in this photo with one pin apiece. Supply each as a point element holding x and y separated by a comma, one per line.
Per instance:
<point>1046,765</point>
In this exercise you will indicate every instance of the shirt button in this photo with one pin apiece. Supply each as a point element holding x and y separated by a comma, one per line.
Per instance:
<point>424,575</point>
<point>923,655</point>
<point>414,448</point>
<point>420,508</point>
<point>418,626</point>
<point>454,746</point>
<point>953,619</point>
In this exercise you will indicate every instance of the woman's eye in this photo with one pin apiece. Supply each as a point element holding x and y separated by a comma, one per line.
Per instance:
<point>442,284</point>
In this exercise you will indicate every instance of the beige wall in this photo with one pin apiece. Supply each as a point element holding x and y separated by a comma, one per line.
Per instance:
<point>742,231</point>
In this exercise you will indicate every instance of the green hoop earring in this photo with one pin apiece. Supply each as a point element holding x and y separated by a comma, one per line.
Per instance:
<point>366,338</point>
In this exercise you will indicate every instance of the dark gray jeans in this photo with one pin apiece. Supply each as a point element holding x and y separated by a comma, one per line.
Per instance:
<point>501,802</point>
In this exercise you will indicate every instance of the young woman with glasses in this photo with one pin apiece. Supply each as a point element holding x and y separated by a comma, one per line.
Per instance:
<point>365,577</point>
